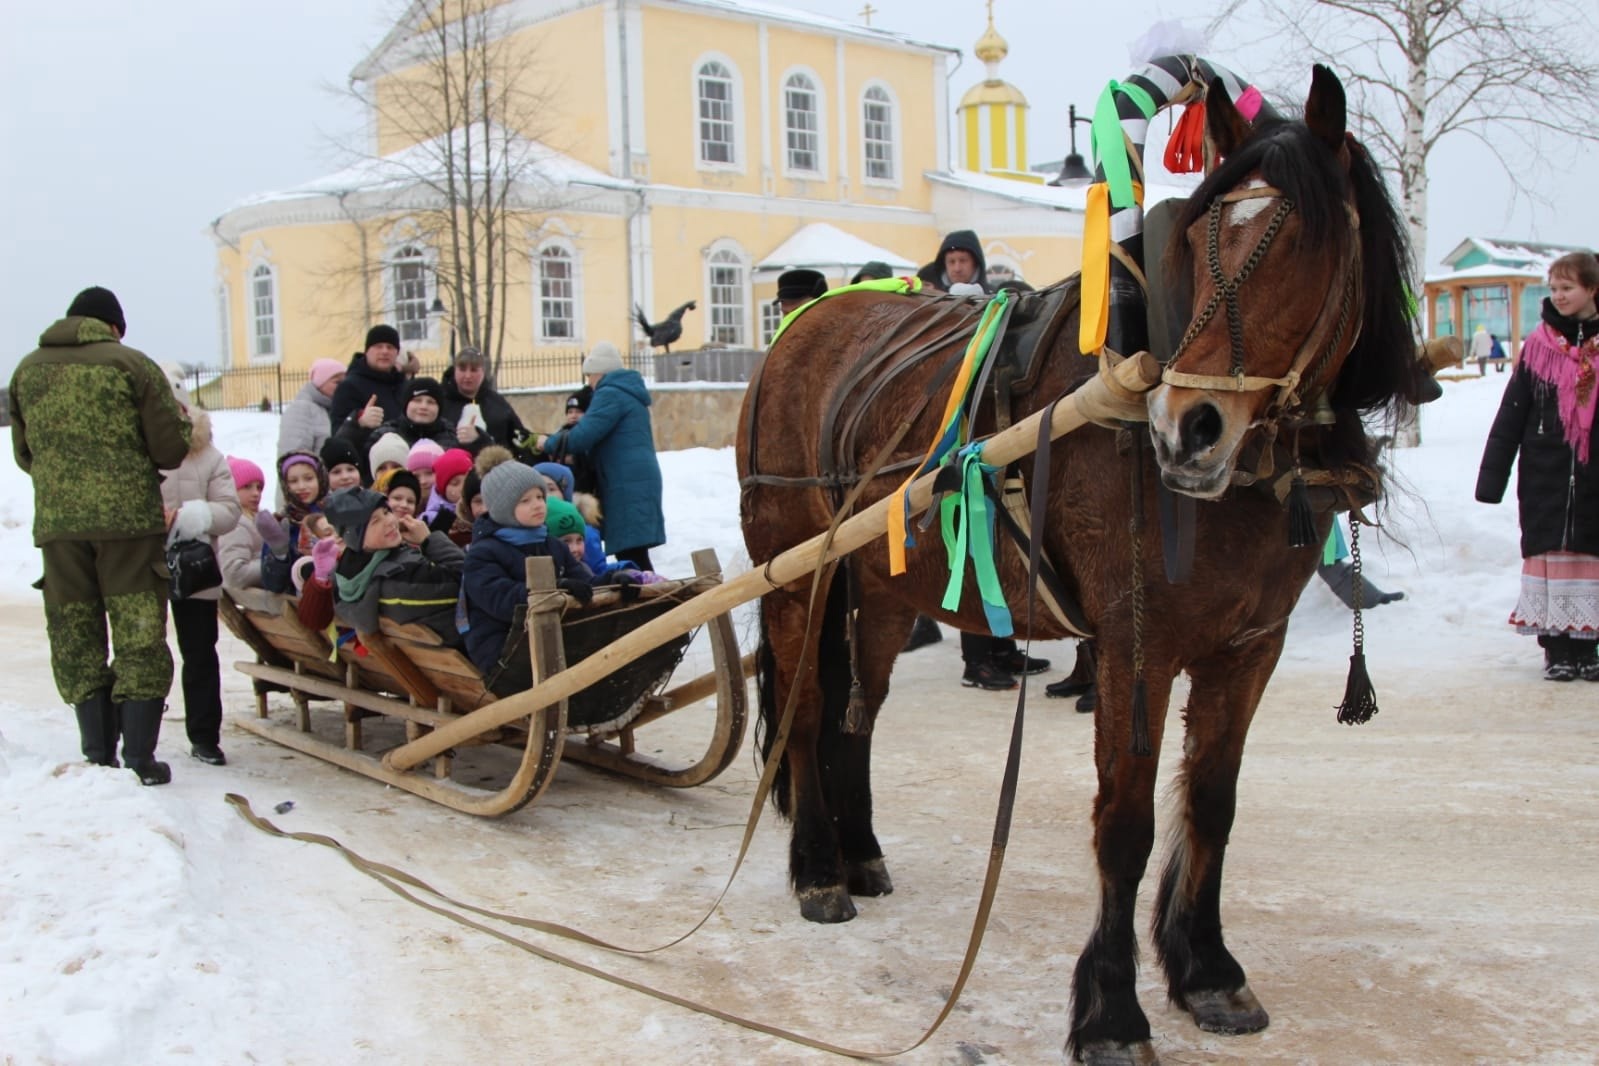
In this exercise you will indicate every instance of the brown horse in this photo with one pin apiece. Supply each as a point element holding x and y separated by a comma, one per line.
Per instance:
<point>1318,316</point>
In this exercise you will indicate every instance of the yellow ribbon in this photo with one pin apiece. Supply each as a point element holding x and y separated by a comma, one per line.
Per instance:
<point>1094,317</point>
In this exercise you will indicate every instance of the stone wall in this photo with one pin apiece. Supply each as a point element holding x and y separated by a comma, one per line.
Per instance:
<point>701,415</point>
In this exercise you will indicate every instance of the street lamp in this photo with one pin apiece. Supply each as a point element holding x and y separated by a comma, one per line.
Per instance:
<point>1072,169</point>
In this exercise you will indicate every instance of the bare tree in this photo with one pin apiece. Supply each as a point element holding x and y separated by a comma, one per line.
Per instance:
<point>1510,73</point>
<point>460,155</point>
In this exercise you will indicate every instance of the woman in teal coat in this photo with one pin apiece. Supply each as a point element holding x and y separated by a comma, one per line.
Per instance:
<point>616,436</point>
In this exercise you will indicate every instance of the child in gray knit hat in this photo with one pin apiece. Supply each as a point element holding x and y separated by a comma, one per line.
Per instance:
<point>494,580</point>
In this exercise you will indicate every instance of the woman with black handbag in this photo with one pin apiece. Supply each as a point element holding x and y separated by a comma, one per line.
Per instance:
<point>201,504</point>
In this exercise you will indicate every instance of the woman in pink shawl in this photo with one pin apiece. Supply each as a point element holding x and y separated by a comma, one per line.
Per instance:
<point>1547,419</point>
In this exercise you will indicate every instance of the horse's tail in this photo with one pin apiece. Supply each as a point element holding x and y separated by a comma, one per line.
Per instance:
<point>833,676</point>
<point>766,724</point>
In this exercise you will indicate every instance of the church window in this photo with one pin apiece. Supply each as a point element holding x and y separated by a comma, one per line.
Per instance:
<point>264,304</point>
<point>802,124</point>
<point>557,294</point>
<point>878,134</point>
<point>716,117</point>
<point>725,283</point>
<point>409,278</point>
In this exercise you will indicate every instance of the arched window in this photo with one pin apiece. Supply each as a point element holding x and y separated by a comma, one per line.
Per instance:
<point>802,124</point>
<point>877,134</point>
<point>714,90</point>
<point>725,288</point>
<point>557,294</point>
<point>408,279</point>
<point>771,318</point>
<point>264,312</point>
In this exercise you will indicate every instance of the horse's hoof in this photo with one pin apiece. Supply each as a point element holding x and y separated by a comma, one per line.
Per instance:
<point>1228,1013</point>
<point>1110,1053</point>
<point>870,878</point>
<point>826,905</point>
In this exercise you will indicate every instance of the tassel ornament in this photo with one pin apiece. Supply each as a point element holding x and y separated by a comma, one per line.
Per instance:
<point>1301,519</point>
<point>1360,696</point>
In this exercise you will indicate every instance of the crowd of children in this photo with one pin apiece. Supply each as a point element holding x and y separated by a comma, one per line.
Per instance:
<point>421,522</point>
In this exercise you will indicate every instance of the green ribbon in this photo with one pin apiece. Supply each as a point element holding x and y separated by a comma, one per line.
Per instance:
<point>967,523</point>
<point>1110,146</point>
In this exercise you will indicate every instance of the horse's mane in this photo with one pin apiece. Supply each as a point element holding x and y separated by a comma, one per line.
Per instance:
<point>1294,160</point>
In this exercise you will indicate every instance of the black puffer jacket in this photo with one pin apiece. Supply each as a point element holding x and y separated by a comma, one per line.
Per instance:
<point>360,384</point>
<point>1559,497</point>
<point>505,426</point>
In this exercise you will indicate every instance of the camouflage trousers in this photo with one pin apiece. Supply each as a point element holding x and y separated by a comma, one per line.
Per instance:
<point>85,583</point>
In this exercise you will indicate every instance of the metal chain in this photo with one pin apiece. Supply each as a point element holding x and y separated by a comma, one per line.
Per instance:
<point>1227,289</point>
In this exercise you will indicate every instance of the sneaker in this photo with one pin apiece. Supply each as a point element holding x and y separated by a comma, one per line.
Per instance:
<point>987,676</point>
<point>1066,688</point>
<point>1561,670</point>
<point>209,754</point>
<point>1588,669</point>
<point>1014,662</point>
<point>923,633</point>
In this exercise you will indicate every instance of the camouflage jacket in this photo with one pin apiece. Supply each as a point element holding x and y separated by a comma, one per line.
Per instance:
<point>92,421</point>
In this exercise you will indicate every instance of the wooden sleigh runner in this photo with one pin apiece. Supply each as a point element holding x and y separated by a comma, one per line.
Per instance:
<point>405,674</point>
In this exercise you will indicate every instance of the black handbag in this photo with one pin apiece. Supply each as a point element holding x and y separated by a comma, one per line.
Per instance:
<point>193,567</point>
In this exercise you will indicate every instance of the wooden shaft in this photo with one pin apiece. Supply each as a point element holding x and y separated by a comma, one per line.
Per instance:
<point>1137,374</point>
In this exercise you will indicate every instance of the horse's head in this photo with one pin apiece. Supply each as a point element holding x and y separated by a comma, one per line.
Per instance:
<point>1299,275</point>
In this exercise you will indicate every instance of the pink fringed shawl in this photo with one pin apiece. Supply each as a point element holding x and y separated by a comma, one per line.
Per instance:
<point>1568,368</point>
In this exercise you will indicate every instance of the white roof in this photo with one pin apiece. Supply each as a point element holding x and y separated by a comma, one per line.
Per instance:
<point>1060,197</point>
<point>422,165</point>
<point>1491,270</point>
<point>822,245</point>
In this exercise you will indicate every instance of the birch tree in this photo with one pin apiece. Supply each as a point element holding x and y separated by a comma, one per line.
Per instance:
<point>1520,76</point>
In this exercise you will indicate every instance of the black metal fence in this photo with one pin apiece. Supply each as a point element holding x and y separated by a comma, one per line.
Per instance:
<point>269,388</point>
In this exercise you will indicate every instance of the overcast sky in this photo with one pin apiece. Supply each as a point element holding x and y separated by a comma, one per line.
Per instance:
<point>124,132</point>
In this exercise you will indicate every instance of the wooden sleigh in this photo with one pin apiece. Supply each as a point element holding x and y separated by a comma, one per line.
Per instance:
<point>404,674</point>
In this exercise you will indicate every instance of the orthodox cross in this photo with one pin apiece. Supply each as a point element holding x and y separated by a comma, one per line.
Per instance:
<point>868,11</point>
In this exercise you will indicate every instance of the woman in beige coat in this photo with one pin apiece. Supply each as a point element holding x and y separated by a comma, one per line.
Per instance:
<point>200,503</point>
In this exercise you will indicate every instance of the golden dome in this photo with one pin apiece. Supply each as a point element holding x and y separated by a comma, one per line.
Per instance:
<point>991,47</point>
<point>993,92</point>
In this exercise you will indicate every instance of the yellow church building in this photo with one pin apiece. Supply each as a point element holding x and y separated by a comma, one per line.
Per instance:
<point>680,150</point>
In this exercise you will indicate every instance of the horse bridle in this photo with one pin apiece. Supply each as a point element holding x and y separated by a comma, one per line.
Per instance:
<point>1226,295</point>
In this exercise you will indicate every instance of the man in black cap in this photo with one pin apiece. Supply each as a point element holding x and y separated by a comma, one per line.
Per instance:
<point>370,392</point>
<point>93,422</point>
<point>798,287</point>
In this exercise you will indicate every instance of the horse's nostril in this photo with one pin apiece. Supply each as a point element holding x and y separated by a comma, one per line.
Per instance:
<point>1200,428</point>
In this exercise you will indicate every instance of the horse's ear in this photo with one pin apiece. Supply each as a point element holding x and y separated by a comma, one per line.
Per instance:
<point>1225,128</point>
<point>1326,111</point>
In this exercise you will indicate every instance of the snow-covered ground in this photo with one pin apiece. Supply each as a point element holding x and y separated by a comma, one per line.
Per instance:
<point>153,925</point>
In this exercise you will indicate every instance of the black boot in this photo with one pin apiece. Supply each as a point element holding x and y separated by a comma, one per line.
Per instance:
<point>97,728</point>
<point>1081,679</point>
<point>141,728</point>
<point>1088,702</point>
<point>923,633</point>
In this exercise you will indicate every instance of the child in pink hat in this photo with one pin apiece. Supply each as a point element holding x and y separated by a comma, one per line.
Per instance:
<point>424,453</point>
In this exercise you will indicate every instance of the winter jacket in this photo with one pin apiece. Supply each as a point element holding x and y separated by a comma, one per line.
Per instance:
<point>494,582</point>
<point>307,422</point>
<point>438,431</point>
<point>616,437</point>
<point>239,555</point>
<point>204,475</point>
<point>362,383</point>
<point>409,585</point>
<point>92,421</point>
<point>505,426</point>
<point>1558,496</point>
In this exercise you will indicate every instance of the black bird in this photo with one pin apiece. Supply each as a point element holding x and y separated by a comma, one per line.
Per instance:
<point>664,332</point>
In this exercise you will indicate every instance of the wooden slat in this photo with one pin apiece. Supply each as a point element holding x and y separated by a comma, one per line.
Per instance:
<point>370,701</point>
<point>413,682</point>
<point>440,661</point>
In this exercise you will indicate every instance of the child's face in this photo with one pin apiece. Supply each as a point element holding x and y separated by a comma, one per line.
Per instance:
<point>479,507</point>
<point>384,468</point>
<point>382,531</point>
<point>402,501</point>
<point>1570,297</point>
<point>343,476</point>
<point>422,409</point>
<point>250,497</point>
<point>551,488</point>
<point>452,491</point>
<point>302,483</point>
<point>574,544</point>
<point>426,478</point>
<point>531,508</point>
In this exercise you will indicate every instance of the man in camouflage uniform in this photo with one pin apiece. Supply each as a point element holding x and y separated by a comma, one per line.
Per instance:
<point>93,422</point>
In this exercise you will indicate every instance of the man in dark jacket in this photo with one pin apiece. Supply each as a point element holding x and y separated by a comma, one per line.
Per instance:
<point>618,439</point>
<point>466,382</point>
<point>92,422</point>
<point>960,261</point>
<point>372,376</point>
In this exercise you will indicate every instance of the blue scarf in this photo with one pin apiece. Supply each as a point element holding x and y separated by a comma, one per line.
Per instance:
<point>521,536</point>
